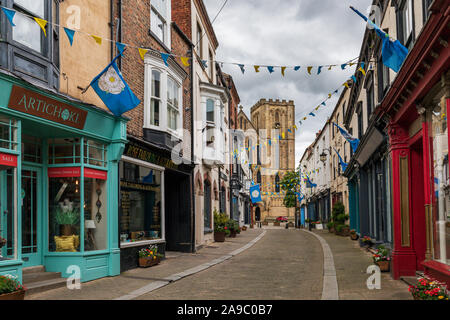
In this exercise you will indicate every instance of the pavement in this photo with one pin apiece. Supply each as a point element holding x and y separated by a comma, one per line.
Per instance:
<point>269,263</point>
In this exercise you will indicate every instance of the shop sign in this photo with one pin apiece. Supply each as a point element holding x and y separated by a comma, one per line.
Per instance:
<point>8,160</point>
<point>67,172</point>
<point>147,156</point>
<point>95,174</point>
<point>35,104</point>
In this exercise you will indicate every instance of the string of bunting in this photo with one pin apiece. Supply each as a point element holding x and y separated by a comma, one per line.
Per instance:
<point>70,33</point>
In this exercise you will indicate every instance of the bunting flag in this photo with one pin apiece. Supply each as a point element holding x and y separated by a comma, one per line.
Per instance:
<point>42,23</point>
<point>121,47</point>
<point>270,68</point>
<point>341,162</point>
<point>185,61</point>
<point>142,53</point>
<point>283,135</point>
<point>343,66</point>
<point>205,63</point>
<point>362,71</point>
<point>309,69</point>
<point>165,57</point>
<point>354,79</point>
<point>329,68</point>
<point>97,39</point>
<point>242,68</point>
<point>354,142</point>
<point>296,68</point>
<point>256,69</point>
<point>319,69</point>
<point>346,84</point>
<point>282,70</point>
<point>393,52</point>
<point>324,104</point>
<point>312,114</point>
<point>9,15</point>
<point>70,34</point>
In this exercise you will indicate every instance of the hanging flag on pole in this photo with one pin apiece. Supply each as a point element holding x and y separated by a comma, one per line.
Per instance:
<point>255,193</point>
<point>113,90</point>
<point>341,162</point>
<point>392,52</point>
<point>353,141</point>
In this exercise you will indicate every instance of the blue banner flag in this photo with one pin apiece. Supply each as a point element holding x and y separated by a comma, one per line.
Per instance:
<point>70,33</point>
<point>10,15</point>
<point>255,193</point>
<point>392,52</point>
<point>353,141</point>
<point>341,162</point>
<point>309,183</point>
<point>113,90</point>
<point>270,68</point>
<point>242,68</point>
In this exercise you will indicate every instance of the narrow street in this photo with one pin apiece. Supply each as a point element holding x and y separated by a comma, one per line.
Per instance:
<point>282,264</point>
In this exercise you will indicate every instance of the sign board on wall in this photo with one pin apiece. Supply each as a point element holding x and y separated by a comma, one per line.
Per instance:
<point>8,160</point>
<point>35,104</point>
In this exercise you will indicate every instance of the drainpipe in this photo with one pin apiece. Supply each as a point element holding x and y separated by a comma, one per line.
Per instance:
<point>111,24</point>
<point>192,151</point>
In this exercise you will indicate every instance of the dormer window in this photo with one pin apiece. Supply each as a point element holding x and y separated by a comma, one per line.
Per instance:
<point>160,20</point>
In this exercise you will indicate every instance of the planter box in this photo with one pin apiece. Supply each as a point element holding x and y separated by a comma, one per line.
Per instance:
<point>265,223</point>
<point>219,236</point>
<point>384,265</point>
<point>276,223</point>
<point>148,262</point>
<point>16,295</point>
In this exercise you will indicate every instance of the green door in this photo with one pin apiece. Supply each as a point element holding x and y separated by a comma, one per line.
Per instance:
<point>31,216</point>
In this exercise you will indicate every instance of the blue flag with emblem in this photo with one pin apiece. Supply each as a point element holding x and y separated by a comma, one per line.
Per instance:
<point>113,90</point>
<point>353,141</point>
<point>309,183</point>
<point>341,162</point>
<point>255,193</point>
<point>392,52</point>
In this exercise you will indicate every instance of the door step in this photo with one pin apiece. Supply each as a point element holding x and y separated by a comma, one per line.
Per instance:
<point>36,279</point>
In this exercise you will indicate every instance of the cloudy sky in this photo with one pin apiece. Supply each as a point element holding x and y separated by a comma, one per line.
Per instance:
<point>289,32</point>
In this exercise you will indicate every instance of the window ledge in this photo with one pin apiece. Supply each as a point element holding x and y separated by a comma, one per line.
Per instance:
<point>140,243</point>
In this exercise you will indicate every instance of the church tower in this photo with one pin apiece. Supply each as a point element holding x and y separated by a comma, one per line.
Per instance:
<point>274,120</point>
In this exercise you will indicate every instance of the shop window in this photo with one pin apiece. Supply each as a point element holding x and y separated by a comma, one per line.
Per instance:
<point>64,151</point>
<point>441,194</point>
<point>95,153</point>
<point>140,203</point>
<point>31,149</point>
<point>95,214</point>
<point>8,133</point>
<point>8,228</point>
<point>64,213</point>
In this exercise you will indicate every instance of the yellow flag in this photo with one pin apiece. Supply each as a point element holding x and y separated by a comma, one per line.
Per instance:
<point>42,23</point>
<point>309,69</point>
<point>142,52</point>
<point>295,127</point>
<point>256,68</point>
<point>282,135</point>
<point>97,39</point>
<point>346,84</point>
<point>329,95</point>
<point>304,118</point>
<point>282,70</point>
<point>330,67</point>
<point>317,108</point>
<point>184,61</point>
<point>351,63</point>
<point>362,71</point>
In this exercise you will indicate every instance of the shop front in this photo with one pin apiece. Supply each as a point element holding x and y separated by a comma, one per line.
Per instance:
<point>58,183</point>
<point>155,203</point>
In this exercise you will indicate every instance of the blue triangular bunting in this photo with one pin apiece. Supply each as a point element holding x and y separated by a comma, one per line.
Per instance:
<point>70,33</point>
<point>10,15</point>
<point>165,56</point>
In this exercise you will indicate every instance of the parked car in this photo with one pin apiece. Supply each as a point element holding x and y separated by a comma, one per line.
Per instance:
<point>282,219</point>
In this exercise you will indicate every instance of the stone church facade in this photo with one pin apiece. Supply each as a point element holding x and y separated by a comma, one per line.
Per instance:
<point>272,119</point>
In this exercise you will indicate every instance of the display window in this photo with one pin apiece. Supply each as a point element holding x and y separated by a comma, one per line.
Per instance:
<point>141,216</point>
<point>8,133</point>
<point>95,214</point>
<point>8,218</point>
<point>441,196</point>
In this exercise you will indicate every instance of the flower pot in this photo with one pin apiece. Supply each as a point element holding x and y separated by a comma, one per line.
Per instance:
<point>16,295</point>
<point>354,236</point>
<point>244,228</point>
<point>148,262</point>
<point>65,229</point>
<point>384,266</point>
<point>219,236</point>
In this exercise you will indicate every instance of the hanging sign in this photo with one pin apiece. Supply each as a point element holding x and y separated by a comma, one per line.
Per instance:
<point>35,104</point>
<point>67,172</point>
<point>95,174</point>
<point>8,160</point>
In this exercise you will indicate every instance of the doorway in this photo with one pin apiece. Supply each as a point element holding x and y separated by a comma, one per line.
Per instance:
<point>31,201</point>
<point>258,214</point>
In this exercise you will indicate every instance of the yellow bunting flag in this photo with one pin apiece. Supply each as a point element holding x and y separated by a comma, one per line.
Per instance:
<point>330,67</point>
<point>282,135</point>
<point>256,68</point>
<point>329,96</point>
<point>309,69</point>
<point>97,39</point>
<point>142,52</point>
<point>317,108</point>
<point>295,127</point>
<point>282,70</point>
<point>184,61</point>
<point>304,118</point>
<point>42,23</point>
<point>351,63</point>
<point>362,71</point>
<point>346,84</point>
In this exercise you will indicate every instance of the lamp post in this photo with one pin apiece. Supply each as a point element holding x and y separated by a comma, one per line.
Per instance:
<point>323,155</point>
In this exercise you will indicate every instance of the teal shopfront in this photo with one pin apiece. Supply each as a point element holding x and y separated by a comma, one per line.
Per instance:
<point>59,183</point>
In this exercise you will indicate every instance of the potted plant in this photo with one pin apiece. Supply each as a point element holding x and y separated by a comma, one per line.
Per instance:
<point>66,217</point>
<point>318,225</point>
<point>149,256</point>
<point>367,242</point>
<point>429,289</point>
<point>353,235</point>
<point>381,258</point>
<point>265,223</point>
<point>11,289</point>
<point>220,228</point>
<point>244,228</point>
<point>233,227</point>
<point>330,226</point>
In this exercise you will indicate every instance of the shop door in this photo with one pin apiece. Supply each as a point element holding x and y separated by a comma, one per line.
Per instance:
<point>31,217</point>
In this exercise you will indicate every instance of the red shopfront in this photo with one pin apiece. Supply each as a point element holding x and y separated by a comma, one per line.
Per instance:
<point>416,109</point>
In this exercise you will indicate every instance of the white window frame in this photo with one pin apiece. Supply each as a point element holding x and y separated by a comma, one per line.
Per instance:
<point>163,211</point>
<point>152,63</point>
<point>167,20</point>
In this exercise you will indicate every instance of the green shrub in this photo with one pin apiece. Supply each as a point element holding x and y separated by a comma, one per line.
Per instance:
<point>330,224</point>
<point>9,284</point>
